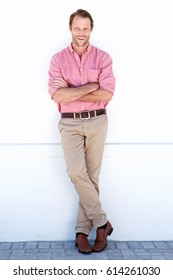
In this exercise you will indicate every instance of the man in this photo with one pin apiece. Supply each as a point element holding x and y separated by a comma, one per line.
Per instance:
<point>82,83</point>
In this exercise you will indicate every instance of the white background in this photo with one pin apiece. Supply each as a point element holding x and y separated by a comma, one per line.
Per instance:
<point>36,195</point>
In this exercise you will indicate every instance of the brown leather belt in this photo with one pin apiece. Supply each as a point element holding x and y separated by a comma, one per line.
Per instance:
<point>84,115</point>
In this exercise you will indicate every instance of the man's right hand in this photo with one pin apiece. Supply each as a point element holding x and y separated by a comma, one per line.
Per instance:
<point>94,86</point>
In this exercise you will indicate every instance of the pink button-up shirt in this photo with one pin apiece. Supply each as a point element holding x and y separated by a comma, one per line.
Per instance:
<point>94,66</point>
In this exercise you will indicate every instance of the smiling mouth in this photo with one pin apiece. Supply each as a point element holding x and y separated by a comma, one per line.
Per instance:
<point>81,39</point>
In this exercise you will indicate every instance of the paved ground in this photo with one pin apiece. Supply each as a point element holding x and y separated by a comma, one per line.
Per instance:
<point>57,250</point>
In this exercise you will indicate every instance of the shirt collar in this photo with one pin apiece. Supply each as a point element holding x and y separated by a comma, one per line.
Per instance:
<point>87,50</point>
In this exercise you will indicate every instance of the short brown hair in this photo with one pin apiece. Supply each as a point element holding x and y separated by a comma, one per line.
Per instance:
<point>81,13</point>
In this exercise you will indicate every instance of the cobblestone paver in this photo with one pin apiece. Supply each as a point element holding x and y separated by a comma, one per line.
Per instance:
<point>60,250</point>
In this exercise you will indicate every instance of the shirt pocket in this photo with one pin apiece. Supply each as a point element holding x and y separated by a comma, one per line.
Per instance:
<point>93,75</point>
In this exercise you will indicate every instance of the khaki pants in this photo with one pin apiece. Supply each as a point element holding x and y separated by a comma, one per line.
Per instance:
<point>83,144</point>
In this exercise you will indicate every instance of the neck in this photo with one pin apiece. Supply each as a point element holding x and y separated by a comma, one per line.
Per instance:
<point>79,50</point>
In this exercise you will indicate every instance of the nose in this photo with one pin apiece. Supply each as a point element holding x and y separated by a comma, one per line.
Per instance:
<point>81,32</point>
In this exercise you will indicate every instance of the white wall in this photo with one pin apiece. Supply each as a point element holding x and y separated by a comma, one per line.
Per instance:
<point>37,200</point>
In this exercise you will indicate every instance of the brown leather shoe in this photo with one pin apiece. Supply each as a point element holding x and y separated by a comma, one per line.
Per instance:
<point>101,237</point>
<point>82,244</point>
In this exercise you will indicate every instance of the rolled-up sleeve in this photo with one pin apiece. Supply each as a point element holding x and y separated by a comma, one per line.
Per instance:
<point>54,72</point>
<point>106,78</point>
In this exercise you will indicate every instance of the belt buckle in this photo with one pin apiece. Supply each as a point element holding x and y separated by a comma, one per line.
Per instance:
<point>84,118</point>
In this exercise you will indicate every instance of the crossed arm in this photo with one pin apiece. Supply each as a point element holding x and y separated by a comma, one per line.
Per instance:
<point>90,92</point>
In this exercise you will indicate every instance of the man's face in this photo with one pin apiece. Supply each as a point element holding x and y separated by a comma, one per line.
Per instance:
<point>80,30</point>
